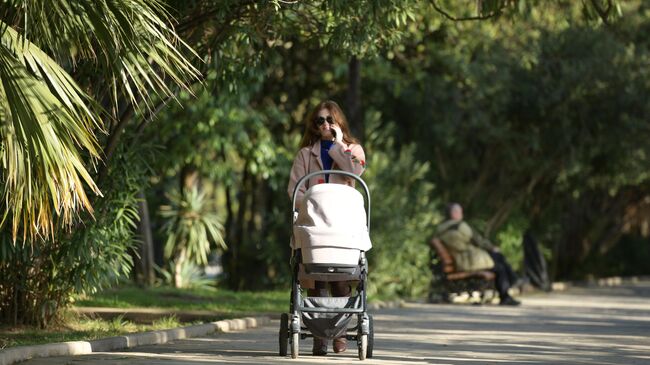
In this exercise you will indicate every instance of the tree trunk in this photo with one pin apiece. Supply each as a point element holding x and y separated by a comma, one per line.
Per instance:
<point>240,230</point>
<point>355,116</point>
<point>190,178</point>
<point>146,275</point>
<point>178,266</point>
<point>235,229</point>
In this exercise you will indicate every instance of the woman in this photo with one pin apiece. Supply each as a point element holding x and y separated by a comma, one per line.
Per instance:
<point>326,145</point>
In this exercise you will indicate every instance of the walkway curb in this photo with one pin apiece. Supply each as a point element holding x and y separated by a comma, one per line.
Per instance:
<point>22,353</point>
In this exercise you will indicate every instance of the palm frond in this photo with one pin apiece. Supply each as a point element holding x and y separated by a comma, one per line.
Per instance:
<point>120,51</point>
<point>191,225</point>
<point>131,41</point>
<point>45,120</point>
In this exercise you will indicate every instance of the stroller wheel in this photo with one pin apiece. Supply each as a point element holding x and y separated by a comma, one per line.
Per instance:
<point>371,337</point>
<point>283,335</point>
<point>363,347</point>
<point>295,344</point>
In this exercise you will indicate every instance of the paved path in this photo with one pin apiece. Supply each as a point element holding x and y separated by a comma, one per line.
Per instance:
<point>581,326</point>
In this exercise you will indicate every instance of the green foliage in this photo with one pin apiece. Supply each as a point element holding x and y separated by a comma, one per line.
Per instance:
<point>191,276</point>
<point>594,11</point>
<point>129,60</point>
<point>538,123</point>
<point>116,323</point>
<point>464,97</point>
<point>191,225</point>
<point>217,300</point>
<point>224,134</point>
<point>401,216</point>
<point>509,240</point>
<point>45,120</point>
<point>167,322</point>
<point>114,49</point>
<point>73,327</point>
<point>240,155</point>
<point>38,278</point>
<point>628,258</point>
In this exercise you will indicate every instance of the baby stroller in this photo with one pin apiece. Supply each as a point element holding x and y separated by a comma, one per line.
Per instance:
<point>329,244</point>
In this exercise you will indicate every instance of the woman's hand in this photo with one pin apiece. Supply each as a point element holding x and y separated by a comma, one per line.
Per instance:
<point>337,133</point>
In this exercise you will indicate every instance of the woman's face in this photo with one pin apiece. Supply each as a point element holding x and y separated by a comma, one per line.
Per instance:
<point>324,121</point>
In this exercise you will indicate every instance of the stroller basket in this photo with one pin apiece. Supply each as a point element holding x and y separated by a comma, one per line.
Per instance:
<point>330,272</point>
<point>329,325</point>
<point>332,269</point>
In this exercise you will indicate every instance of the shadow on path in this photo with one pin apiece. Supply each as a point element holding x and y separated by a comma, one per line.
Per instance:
<point>582,326</point>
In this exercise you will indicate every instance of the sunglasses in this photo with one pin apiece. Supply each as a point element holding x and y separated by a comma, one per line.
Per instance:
<point>320,120</point>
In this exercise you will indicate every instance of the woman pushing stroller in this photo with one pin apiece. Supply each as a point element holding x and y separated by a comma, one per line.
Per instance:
<point>326,145</point>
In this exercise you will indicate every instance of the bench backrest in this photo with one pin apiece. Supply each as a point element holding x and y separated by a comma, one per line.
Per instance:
<point>446,260</point>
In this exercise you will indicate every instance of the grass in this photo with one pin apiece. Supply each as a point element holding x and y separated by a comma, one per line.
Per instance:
<point>218,300</point>
<point>74,327</point>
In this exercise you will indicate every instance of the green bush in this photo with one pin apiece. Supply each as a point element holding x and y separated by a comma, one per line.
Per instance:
<point>38,278</point>
<point>191,226</point>
<point>401,216</point>
<point>510,241</point>
<point>191,276</point>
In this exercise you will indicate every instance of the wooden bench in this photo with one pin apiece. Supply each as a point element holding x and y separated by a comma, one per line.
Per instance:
<point>450,281</point>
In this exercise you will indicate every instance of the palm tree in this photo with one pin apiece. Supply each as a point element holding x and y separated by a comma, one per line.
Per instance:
<point>191,225</point>
<point>69,70</point>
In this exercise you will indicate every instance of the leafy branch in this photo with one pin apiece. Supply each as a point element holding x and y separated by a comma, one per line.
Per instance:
<point>449,16</point>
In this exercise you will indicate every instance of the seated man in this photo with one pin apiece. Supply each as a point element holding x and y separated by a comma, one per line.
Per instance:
<point>471,252</point>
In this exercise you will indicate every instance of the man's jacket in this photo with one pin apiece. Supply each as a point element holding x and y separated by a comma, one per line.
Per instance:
<point>469,250</point>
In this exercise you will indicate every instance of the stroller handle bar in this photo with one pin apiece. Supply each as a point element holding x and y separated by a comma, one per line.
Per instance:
<point>306,178</point>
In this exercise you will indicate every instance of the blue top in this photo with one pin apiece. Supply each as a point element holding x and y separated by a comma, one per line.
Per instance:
<point>325,156</point>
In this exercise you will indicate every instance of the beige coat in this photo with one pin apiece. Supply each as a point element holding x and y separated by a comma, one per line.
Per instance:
<point>350,158</point>
<point>469,249</point>
<point>345,157</point>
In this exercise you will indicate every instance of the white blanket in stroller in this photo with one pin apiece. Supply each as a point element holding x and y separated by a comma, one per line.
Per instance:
<point>331,225</point>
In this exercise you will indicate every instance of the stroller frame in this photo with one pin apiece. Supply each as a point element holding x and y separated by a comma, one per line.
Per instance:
<point>292,330</point>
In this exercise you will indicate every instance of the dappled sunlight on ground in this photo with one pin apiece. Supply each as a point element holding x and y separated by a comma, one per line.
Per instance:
<point>572,327</point>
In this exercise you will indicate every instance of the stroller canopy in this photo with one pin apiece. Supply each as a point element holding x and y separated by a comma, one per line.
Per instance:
<point>331,215</point>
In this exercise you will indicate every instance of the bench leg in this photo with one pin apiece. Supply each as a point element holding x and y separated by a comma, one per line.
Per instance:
<point>440,296</point>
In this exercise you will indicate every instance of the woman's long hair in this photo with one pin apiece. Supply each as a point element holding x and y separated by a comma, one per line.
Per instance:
<point>312,134</point>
